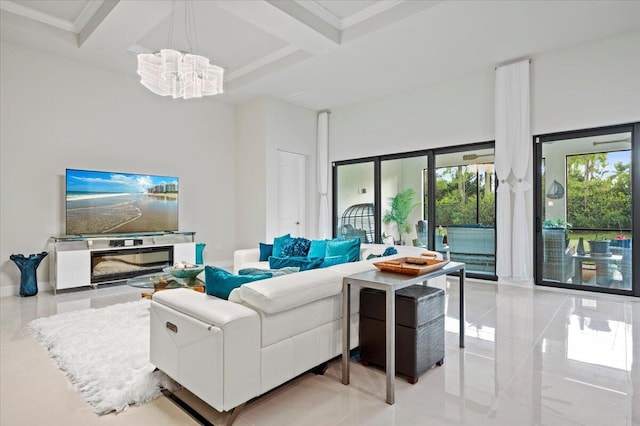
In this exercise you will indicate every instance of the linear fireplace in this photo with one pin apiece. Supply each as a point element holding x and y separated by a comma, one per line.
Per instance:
<point>121,264</point>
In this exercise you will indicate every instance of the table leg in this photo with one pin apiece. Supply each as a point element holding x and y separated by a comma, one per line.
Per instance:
<point>462,323</point>
<point>577,278</point>
<point>391,346</point>
<point>346,331</point>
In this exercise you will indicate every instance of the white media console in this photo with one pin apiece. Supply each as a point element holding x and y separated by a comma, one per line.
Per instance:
<point>79,261</point>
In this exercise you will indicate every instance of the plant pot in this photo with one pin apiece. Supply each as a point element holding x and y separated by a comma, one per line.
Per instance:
<point>600,247</point>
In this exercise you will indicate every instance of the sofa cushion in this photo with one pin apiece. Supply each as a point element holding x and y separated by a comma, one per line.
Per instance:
<point>219,282</point>
<point>278,243</point>
<point>303,263</point>
<point>349,247</point>
<point>266,250</point>
<point>280,293</point>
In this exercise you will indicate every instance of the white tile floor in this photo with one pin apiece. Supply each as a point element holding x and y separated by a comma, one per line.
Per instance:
<point>533,356</point>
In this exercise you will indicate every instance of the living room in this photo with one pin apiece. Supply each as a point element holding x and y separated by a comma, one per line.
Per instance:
<point>64,106</point>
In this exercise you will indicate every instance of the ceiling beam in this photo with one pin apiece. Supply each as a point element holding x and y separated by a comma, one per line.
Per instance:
<point>271,16</point>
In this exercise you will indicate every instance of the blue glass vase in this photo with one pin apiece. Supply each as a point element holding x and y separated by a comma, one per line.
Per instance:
<point>199,251</point>
<point>28,266</point>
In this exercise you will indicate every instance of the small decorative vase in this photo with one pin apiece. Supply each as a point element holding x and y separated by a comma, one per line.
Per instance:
<point>28,266</point>
<point>580,249</point>
<point>199,252</point>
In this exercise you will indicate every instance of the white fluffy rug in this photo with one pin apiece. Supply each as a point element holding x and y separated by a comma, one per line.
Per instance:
<point>105,353</point>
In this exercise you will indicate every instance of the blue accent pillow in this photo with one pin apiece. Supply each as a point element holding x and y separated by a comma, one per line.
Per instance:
<point>387,252</point>
<point>220,283</point>
<point>295,247</point>
<point>274,272</point>
<point>334,260</point>
<point>317,248</point>
<point>303,263</point>
<point>349,247</point>
<point>278,242</point>
<point>265,251</point>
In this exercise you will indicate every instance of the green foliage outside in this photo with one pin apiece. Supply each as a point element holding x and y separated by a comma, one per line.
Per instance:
<point>597,198</point>
<point>401,206</point>
<point>457,192</point>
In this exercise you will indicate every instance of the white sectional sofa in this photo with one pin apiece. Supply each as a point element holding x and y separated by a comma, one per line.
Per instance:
<point>229,351</point>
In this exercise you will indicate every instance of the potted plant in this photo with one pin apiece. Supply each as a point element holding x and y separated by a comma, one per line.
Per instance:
<point>401,206</point>
<point>599,246</point>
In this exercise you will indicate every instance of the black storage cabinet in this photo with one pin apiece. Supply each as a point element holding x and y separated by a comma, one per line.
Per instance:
<point>419,329</point>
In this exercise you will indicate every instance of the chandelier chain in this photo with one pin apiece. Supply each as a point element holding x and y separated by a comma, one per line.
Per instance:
<point>173,13</point>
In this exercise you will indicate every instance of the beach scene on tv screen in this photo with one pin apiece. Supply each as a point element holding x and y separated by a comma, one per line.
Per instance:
<point>104,202</point>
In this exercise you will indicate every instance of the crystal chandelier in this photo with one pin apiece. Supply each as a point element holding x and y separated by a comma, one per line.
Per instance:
<point>179,74</point>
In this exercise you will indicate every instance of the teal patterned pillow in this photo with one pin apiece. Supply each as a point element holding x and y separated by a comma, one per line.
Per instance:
<point>295,247</point>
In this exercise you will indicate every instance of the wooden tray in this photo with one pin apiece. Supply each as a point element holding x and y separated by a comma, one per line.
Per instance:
<point>402,267</point>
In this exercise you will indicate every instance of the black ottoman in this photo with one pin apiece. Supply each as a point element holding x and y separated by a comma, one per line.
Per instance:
<point>419,329</point>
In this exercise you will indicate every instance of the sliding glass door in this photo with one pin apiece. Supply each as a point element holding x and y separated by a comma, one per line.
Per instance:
<point>586,187</point>
<point>354,208</point>
<point>465,214</point>
<point>442,199</point>
<point>403,189</point>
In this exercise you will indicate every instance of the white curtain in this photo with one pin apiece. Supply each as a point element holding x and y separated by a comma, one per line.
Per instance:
<point>513,147</point>
<point>322,166</point>
<point>503,171</point>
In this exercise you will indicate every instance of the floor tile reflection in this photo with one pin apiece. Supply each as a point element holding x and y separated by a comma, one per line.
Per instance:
<point>533,356</point>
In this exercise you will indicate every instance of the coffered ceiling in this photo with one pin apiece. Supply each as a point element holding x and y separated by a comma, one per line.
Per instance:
<point>316,53</point>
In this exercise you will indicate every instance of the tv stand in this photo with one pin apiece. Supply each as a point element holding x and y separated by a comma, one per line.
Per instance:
<point>72,262</point>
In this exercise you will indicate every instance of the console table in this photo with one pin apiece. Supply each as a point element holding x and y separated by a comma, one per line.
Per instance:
<point>390,282</point>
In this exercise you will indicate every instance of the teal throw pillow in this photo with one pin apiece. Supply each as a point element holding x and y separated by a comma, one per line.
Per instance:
<point>317,248</point>
<point>274,272</point>
<point>279,243</point>
<point>334,260</point>
<point>303,263</point>
<point>220,283</point>
<point>265,251</point>
<point>389,251</point>
<point>349,247</point>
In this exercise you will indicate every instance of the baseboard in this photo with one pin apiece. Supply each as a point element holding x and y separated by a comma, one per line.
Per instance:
<point>14,290</point>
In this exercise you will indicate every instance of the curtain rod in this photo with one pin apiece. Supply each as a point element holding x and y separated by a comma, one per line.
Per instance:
<point>515,61</point>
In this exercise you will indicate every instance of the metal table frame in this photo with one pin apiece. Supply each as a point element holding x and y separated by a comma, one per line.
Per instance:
<point>602,266</point>
<point>390,282</point>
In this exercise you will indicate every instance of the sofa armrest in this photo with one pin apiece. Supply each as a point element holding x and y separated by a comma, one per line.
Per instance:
<point>213,348</point>
<point>242,257</point>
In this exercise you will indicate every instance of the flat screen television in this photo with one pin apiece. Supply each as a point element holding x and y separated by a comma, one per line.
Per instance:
<point>106,202</point>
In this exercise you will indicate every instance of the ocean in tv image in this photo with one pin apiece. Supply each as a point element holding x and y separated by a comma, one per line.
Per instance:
<point>104,202</point>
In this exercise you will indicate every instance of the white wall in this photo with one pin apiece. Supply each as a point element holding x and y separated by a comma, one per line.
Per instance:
<point>591,85</point>
<point>57,114</point>
<point>251,172</point>
<point>265,126</point>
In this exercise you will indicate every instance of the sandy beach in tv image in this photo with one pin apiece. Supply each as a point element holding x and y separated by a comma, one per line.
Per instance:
<point>103,202</point>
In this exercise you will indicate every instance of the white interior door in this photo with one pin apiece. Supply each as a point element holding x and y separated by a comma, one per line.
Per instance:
<point>291,200</point>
